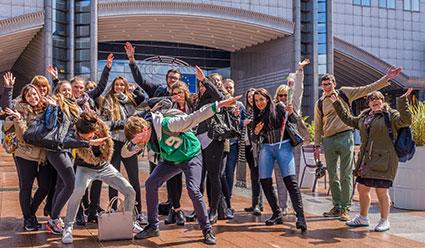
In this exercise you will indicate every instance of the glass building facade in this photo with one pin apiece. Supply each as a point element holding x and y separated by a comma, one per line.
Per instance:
<point>82,38</point>
<point>156,58</point>
<point>321,37</point>
<point>60,37</point>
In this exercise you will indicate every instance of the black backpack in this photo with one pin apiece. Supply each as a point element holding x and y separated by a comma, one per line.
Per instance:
<point>341,94</point>
<point>404,145</point>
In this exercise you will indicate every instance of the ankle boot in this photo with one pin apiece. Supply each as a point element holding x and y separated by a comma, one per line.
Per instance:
<point>297,203</point>
<point>269,192</point>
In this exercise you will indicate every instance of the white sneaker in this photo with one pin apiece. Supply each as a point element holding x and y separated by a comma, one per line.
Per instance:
<point>358,221</point>
<point>67,235</point>
<point>136,227</point>
<point>383,225</point>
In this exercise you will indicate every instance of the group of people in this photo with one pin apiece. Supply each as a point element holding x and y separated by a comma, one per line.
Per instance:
<point>199,135</point>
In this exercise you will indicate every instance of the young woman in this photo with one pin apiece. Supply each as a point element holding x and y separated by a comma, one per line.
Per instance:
<point>377,161</point>
<point>269,122</point>
<point>94,149</point>
<point>61,159</point>
<point>120,104</point>
<point>30,159</point>
<point>212,150</point>
<point>251,154</point>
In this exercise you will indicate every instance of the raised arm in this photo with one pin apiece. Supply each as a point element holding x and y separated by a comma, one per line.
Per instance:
<point>404,116</point>
<point>96,92</point>
<point>186,122</point>
<point>53,72</point>
<point>354,93</point>
<point>211,89</point>
<point>298,81</point>
<point>9,82</point>
<point>149,87</point>
<point>344,114</point>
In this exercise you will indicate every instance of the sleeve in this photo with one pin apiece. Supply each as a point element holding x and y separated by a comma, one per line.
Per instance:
<point>345,115</point>
<point>6,100</point>
<point>96,92</point>
<point>20,128</point>
<point>185,122</point>
<point>154,100</point>
<point>402,118</point>
<point>129,149</point>
<point>212,90</point>
<point>354,93</point>
<point>139,97</point>
<point>298,91</point>
<point>55,83</point>
<point>148,87</point>
<point>318,125</point>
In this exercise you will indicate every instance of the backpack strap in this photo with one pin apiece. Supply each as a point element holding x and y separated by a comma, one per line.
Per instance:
<point>341,94</point>
<point>387,120</point>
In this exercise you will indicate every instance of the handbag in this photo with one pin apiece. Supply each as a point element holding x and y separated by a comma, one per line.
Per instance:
<point>222,128</point>
<point>49,131</point>
<point>115,225</point>
<point>10,141</point>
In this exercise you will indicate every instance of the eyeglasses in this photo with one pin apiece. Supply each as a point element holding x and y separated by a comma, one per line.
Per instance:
<point>375,98</point>
<point>282,95</point>
<point>173,77</point>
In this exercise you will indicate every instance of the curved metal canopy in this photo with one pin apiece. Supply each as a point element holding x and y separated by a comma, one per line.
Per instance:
<point>219,27</point>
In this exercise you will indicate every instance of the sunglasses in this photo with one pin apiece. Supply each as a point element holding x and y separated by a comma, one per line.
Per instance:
<point>174,78</point>
<point>326,84</point>
<point>282,95</point>
<point>177,93</point>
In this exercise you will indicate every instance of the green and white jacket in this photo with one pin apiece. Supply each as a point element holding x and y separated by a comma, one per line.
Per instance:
<point>176,141</point>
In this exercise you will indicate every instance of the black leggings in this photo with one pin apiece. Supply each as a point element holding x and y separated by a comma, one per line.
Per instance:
<point>255,178</point>
<point>64,166</point>
<point>132,168</point>
<point>49,199</point>
<point>27,172</point>
<point>212,166</point>
<point>223,179</point>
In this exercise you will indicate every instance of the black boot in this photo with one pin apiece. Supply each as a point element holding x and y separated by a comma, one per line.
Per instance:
<point>213,216</point>
<point>171,217</point>
<point>80,220</point>
<point>267,185</point>
<point>291,184</point>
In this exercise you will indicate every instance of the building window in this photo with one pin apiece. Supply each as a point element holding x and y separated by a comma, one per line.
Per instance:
<point>389,4</point>
<point>362,2</point>
<point>411,5</point>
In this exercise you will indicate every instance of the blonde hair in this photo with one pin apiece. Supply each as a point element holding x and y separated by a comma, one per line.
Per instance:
<point>68,106</point>
<point>180,85</point>
<point>280,89</point>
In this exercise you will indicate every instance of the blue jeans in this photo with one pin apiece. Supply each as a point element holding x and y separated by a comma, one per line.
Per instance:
<point>232,158</point>
<point>269,153</point>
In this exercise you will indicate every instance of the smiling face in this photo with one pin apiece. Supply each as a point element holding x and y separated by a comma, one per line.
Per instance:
<point>78,88</point>
<point>230,87</point>
<point>375,101</point>
<point>119,86</point>
<point>251,98</point>
<point>32,97</point>
<point>172,77</point>
<point>66,90</point>
<point>260,101</point>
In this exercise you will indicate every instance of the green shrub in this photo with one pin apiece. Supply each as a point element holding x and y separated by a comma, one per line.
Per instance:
<point>418,122</point>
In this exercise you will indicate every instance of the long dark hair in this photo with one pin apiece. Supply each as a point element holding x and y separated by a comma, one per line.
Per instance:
<point>87,122</point>
<point>249,107</point>
<point>267,115</point>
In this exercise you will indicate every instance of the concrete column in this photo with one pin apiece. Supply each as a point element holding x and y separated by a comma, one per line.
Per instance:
<point>93,39</point>
<point>71,38</point>
<point>48,40</point>
<point>296,13</point>
<point>329,37</point>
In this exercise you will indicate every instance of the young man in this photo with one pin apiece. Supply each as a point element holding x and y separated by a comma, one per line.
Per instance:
<point>180,151</point>
<point>338,138</point>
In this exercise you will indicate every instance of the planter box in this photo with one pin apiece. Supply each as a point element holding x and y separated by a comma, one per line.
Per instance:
<point>408,190</point>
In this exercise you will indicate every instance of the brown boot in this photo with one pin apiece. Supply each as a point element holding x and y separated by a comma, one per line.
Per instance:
<point>334,212</point>
<point>345,215</point>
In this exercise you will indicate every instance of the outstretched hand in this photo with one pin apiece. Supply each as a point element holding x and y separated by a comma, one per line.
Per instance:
<point>408,92</point>
<point>98,142</point>
<point>53,72</point>
<point>303,63</point>
<point>199,74</point>
<point>109,60</point>
<point>393,72</point>
<point>9,80</point>
<point>130,51</point>
<point>333,98</point>
<point>228,102</point>
<point>13,113</point>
